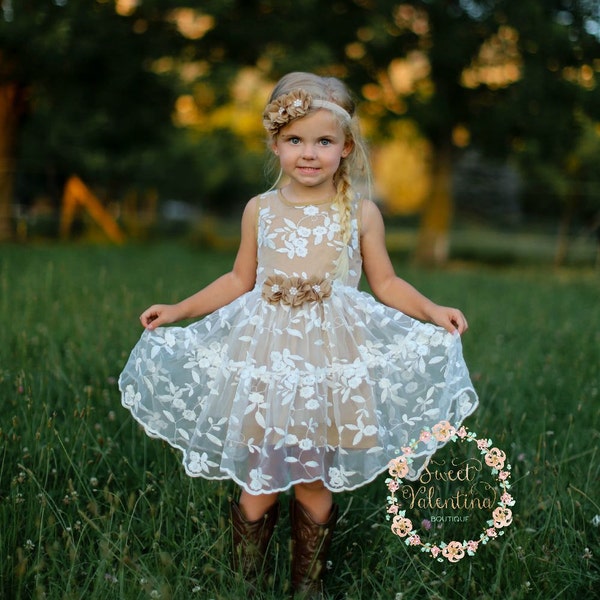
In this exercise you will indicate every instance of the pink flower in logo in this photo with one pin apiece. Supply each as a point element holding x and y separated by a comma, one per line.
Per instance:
<point>507,499</point>
<point>398,467</point>
<point>453,551</point>
<point>472,546</point>
<point>495,458</point>
<point>401,526</point>
<point>414,540</point>
<point>461,432</point>
<point>425,436</point>
<point>393,486</point>
<point>502,517</point>
<point>503,475</point>
<point>443,431</point>
<point>435,551</point>
<point>482,444</point>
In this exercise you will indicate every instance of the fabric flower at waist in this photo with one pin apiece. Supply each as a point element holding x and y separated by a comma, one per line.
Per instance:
<point>294,291</point>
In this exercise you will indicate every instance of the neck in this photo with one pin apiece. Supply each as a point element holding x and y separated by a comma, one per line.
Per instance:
<point>307,194</point>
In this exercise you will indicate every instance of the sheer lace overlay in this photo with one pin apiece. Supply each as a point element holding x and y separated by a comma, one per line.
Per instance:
<point>271,393</point>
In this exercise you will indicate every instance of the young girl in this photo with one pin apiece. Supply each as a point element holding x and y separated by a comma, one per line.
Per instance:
<point>296,379</point>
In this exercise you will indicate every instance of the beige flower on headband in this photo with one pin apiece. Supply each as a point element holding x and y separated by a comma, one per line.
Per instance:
<point>285,108</point>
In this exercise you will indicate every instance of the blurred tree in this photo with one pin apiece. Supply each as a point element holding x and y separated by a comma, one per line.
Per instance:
<point>508,78</point>
<point>552,108</point>
<point>78,93</point>
<point>90,87</point>
<point>11,107</point>
<point>582,193</point>
<point>504,77</point>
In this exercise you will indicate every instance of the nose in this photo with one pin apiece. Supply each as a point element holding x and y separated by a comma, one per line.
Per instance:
<point>309,151</point>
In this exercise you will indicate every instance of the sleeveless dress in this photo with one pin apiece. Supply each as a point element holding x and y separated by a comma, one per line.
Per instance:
<point>304,377</point>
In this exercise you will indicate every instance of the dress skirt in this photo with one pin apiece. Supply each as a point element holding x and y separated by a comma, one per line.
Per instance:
<point>271,395</point>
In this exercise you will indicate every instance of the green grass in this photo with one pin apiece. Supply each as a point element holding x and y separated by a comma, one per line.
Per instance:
<point>92,508</point>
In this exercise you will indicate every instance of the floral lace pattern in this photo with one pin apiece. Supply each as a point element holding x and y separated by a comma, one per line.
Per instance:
<point>305,377</point>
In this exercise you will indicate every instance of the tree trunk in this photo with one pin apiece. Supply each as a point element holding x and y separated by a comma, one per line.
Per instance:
<point>433,244</point>
<point>10,100</point>
<point>563,241</point>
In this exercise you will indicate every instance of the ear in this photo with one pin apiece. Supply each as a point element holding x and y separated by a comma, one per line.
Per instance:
<point>273,146</point>
<point>348,147</point>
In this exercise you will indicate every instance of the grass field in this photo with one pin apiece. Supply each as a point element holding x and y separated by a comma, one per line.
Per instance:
<point>92,508</point>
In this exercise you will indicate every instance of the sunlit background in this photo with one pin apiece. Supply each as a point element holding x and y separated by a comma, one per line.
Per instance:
<point>122,117</point>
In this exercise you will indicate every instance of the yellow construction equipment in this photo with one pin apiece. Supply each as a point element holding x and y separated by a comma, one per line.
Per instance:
<point>76,194</point>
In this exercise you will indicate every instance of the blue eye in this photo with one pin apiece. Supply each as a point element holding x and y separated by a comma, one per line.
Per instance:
<point>294,140</point>
<point>325,142</point>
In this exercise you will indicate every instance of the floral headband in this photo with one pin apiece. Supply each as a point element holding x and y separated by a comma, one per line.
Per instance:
<point>296,104</point>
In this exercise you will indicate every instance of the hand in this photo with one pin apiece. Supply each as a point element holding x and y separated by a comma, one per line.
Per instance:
<point>157,315</point>
<point>450,319</point>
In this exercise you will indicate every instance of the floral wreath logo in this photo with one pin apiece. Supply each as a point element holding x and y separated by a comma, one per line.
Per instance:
<point>501,516</point>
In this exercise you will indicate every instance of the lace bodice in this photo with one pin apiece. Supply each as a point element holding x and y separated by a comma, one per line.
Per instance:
<point>289,233</point>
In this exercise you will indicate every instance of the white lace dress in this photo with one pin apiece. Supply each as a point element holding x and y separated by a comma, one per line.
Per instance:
<point>302,378</point>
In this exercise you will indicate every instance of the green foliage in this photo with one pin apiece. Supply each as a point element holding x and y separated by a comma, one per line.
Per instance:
<point>92,102</point>
<point>198,170</point>
<point>90,507</point>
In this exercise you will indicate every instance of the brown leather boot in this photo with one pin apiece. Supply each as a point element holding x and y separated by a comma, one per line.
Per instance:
<point>250,541</point>
<point>310,545</point>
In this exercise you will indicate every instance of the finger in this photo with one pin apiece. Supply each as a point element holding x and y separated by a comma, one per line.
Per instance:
<point>155,322</point>
<point>461,323</point>
<point>149,319</point>
<point>449,324</point>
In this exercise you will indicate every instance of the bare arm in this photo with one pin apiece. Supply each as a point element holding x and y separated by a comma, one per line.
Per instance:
<point>220,292</point>
<point>391,289</point>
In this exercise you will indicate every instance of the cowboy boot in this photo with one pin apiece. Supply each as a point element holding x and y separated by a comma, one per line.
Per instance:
<point>310,545</point>
<point>250,541</point>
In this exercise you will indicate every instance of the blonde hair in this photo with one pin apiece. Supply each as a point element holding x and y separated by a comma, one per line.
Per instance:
<point>324,91</point>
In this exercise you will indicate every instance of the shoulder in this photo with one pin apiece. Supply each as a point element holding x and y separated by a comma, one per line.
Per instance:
<point>255,207</point>
<point>250,214</point>
<point>368,206</point>
<point>261,200</point>
<point>376,260</point>
<point>370,214</point>
<point>252,204</point>
<point>255,203</point>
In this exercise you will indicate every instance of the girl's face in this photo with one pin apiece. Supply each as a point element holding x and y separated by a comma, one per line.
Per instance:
<point>310,150</point>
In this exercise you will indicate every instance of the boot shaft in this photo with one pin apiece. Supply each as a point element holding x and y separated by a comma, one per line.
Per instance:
<point>251,539</point>
<point>310,545</point>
